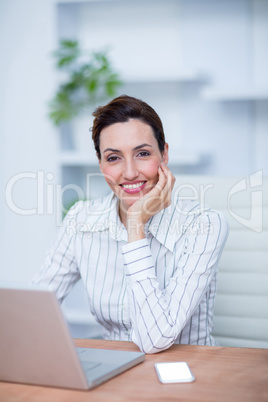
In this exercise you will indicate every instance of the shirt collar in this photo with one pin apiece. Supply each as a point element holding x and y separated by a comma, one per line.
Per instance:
<point>165,226</point>
<point>104,215</point>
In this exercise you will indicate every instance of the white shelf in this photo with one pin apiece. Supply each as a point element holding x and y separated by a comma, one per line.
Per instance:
<point>84,1</point>
<point>83,160</point>
<point>77,159</point>
<point>183,76</point>
<point>242,94</point>
<point>185,159</point>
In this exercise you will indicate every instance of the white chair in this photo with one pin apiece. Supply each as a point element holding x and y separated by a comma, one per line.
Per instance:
<point>241,308</point>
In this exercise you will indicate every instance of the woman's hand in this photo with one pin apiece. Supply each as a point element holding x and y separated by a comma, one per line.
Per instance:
<point>144,208</point>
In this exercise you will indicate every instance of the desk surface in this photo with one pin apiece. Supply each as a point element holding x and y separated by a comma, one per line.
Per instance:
<point>222,374</point>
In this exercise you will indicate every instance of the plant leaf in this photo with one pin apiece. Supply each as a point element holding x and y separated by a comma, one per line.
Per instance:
<point>91,79</point>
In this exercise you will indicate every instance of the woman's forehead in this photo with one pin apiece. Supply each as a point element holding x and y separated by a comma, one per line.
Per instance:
<point>131,133</point>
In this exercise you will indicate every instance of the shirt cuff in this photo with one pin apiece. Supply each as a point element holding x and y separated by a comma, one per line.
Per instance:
<point>138,260</point>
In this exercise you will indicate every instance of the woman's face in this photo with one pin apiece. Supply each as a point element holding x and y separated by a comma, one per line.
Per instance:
<point>130,158</point>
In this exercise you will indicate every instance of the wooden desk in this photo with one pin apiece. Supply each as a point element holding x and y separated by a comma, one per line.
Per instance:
<point>222,374</point>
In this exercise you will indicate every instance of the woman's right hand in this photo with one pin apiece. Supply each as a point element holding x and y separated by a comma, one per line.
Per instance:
<point>150,204</point>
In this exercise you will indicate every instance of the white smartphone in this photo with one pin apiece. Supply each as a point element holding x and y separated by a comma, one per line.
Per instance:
<point>174,372</point>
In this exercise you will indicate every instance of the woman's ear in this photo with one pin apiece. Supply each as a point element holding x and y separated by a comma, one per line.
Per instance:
<point>99,160</point>
<point>165,154</point>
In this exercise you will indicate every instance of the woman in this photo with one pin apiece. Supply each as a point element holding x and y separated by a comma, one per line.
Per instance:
<point>148,260</point>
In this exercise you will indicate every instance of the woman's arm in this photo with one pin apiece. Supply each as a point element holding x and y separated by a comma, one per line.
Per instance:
<point>158,316</point>
<point>60,271</point>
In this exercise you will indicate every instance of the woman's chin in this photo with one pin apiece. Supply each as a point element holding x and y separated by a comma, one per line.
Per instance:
<point>128,200</point>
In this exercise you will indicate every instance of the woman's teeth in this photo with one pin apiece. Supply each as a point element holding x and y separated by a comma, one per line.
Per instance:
<point>131,186</point>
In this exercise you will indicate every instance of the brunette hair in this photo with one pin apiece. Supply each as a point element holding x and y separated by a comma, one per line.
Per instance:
<point>120,110</point>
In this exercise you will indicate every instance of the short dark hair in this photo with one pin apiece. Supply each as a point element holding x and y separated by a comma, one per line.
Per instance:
<point>120,110</point>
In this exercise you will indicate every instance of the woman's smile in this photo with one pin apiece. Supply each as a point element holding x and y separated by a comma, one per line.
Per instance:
<point>134,187</point>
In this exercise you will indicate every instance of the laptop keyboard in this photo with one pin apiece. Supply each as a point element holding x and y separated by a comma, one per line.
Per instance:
<point>84,357</point>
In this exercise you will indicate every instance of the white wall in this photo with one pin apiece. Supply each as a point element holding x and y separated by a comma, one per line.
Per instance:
<point>28,140</point>
<point>29,143</point>
<point>226,40</point>
<point>260,19</point>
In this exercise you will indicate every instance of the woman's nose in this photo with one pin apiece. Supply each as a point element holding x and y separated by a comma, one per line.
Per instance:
<point>130,170</point>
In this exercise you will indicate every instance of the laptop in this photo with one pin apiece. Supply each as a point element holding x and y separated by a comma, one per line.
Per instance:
<point>36,346</point>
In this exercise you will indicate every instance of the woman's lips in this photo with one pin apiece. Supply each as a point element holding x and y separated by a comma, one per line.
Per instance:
<point>134,187</point>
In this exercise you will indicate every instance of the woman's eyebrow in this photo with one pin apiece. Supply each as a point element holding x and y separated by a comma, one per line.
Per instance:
<point>111,150</point>
<point>141,146</point>
<point>134,149</point>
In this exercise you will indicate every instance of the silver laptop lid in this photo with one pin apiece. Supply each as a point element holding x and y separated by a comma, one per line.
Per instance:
<point>35,343</point>
<point>36,346</point>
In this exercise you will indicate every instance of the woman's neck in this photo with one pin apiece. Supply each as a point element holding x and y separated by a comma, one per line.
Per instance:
<point>122,212</point>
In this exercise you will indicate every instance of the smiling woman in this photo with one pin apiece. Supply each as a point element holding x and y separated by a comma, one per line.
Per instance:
<point>133,170</point>
<point>137,167</point>
<point>148,260</point>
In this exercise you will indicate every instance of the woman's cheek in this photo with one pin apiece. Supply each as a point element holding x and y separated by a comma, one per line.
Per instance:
<point>110,174</point>
<point>152,171</point>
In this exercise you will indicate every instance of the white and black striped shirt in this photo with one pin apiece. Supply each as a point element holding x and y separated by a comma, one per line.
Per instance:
<point>154,291</point>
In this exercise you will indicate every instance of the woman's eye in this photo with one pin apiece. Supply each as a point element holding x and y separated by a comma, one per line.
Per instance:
<point>112,158</point>
<point>143,153</point>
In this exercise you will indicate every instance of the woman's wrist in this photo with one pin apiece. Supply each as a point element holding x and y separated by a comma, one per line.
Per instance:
<point>135,229</point>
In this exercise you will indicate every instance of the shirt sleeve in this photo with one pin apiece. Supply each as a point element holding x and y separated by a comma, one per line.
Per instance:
<point>158,316</point>
<point>60,271</point>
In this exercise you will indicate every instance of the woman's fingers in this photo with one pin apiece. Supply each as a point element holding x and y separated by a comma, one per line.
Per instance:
<point>167,190</point>
<point>160,196</point>
<point>160,185</point>
<point>156,199</point>
<point>169,182</point>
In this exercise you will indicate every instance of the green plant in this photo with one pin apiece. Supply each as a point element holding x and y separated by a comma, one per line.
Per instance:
<point>90,79</point>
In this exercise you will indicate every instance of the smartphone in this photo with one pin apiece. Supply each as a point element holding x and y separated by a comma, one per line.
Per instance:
<point>174,372</point>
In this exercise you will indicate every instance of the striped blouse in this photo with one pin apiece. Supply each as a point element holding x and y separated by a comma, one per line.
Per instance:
<point>156,291</point>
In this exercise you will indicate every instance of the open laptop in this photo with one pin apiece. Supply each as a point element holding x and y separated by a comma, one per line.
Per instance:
<point>36,346</point>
